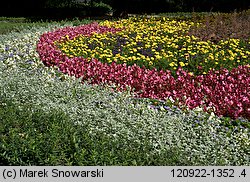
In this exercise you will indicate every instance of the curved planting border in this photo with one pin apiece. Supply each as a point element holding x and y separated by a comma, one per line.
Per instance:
<point>223,92</point>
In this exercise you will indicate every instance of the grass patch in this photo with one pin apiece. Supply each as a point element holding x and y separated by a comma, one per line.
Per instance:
<point>6,27</point>
<point>8,24</point>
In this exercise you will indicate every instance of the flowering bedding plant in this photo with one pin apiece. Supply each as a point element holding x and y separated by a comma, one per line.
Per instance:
<point>157,59</point>
<point>37,101</point>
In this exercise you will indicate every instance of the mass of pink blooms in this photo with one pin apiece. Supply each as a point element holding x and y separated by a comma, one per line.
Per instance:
<point>226,93</point>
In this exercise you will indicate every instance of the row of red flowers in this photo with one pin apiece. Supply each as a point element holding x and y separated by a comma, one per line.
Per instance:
<point>227,93</point>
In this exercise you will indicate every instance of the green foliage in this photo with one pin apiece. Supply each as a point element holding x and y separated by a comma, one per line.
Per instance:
<point>30,136</point>
<point>101,8</point>
<point>58,3</point>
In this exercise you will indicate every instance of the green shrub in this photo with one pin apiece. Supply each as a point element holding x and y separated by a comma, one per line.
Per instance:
<point>101,8</point>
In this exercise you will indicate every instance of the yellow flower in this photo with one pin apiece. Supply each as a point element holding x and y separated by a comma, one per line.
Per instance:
<point>148,35</point>
<point>134,58</point>
<point>231,58</point>
<point>172,64</point>
<point>182,64</point>
<point>109,60</point>
<point>134,50</point>
<point>158,57</point>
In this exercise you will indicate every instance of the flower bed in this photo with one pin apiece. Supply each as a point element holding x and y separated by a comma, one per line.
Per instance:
<point>224,92</point>
<point>38,101</point>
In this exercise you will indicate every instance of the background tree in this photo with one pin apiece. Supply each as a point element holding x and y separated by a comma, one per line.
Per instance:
<point>35,7</point>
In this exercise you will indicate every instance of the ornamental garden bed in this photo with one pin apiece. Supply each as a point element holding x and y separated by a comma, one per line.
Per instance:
<point>157,59</point>
<point>138,91</point>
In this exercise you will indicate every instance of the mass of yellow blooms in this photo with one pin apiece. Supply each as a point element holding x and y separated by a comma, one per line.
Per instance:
<point>158,43</point>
